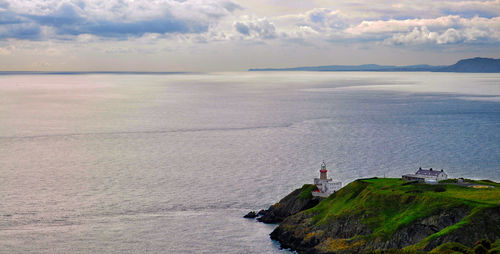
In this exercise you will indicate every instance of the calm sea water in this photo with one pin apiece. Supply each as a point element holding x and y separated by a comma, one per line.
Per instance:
<point>171,163</point>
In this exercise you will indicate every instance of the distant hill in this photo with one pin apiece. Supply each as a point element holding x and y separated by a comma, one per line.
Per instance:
<point>364,67</point>
<point>478,64</point>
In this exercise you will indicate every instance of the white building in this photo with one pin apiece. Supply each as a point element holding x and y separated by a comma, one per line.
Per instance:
<point>326,186</point>
<point>426,175</point>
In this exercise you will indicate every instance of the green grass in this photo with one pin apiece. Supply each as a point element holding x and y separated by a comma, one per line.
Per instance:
<point>306,191</point>
<point>451,248</point>
<point>395,251</point>
<point>387,204</point>
<point>496,244</point>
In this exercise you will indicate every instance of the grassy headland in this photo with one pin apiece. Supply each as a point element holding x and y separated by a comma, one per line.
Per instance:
<point>385,213</point>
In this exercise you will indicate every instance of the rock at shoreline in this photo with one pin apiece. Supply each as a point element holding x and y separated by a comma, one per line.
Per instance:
<point>251,215</point>
<point>297,201</point>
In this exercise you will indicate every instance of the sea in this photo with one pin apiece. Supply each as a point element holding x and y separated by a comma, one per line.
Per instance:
<point>170,163</point>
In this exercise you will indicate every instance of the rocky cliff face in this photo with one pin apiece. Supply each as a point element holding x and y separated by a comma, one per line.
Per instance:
<point>481,224</point>
<point>297,201</point>
<point>368,215</point>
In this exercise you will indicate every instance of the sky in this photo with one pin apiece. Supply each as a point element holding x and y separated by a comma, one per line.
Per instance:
<point>234,35</point>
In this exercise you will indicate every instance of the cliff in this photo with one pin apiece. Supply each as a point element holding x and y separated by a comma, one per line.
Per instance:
<point>297,201</point>
<point>381,214</point>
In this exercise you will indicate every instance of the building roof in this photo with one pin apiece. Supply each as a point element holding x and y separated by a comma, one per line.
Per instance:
<point>414,176</point>
<point>429,172</point>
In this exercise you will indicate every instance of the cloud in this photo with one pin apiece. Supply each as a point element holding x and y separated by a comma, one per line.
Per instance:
<point>405,23</point>
<point>318,19</point>
<point>329,25</point>
<point>5,51</point>
<point>115,18</point>
<point>422,35</point>
<point>259,28</point>
<point>417,36</point>
<point>393,25</point>
<point>325,18</point>
<point>230,6</point>
<point>20,31</point>
<point>315,24</point>
<point>468,8</point>
<point>386,9</point>
<point>441,30</point>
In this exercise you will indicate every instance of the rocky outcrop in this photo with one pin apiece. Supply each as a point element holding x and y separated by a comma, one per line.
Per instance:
<point>420,229</point>
<point>250,215</point>
<point>297,201</point>
<point>481,224</point>
<point>366,216</point>
<point>298,233</point>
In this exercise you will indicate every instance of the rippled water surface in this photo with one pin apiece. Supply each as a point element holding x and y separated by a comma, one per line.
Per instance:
<point>171,163</point>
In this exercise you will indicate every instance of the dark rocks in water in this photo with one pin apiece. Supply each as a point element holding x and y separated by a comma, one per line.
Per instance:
<point>251,215</point>
<point>268,214</point>
<point>297,201</point>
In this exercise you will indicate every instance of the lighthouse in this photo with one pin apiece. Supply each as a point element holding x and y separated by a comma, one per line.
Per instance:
<point>323,172</point>
<point>326,186</point>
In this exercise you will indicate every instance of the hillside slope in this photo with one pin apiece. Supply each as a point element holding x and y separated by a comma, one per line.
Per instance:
<point>477,64</point>
<point>371,214</point>
<point>297,201</point>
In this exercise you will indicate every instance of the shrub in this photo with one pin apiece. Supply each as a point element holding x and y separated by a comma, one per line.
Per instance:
<point>485,242</point>
<point>480,249</point>
<point>439,189</point>
<point>452,247</point>
<point>410,182</point>
<point>494,251</point>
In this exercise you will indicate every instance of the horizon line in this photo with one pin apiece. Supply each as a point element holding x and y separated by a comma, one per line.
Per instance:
<point>93,72</point>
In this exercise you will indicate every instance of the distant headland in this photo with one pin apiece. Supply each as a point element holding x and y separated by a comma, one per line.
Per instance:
<point>471,65</point>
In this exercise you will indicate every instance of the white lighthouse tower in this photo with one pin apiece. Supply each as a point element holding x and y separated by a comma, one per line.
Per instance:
<point>326,186</point>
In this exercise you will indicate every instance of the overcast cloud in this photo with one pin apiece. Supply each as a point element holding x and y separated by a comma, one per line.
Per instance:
<point>207,28</point>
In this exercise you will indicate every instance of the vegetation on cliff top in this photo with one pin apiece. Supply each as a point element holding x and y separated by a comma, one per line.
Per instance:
<point>390,203</point>
<point>387,210</point>
<point>297,201</point>
<point>307,190</point>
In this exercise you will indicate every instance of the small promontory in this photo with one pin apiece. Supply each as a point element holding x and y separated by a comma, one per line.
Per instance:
<point>388,214</point>
<point>295,202</point>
